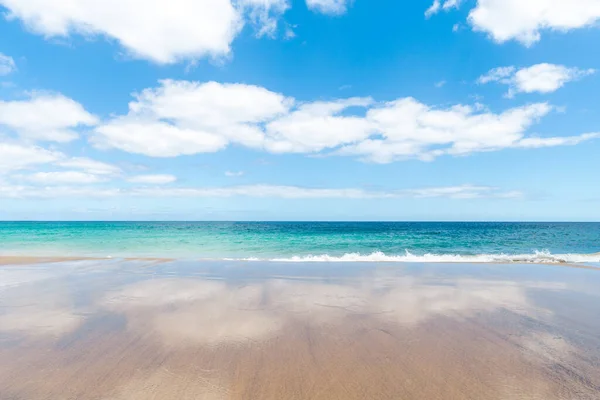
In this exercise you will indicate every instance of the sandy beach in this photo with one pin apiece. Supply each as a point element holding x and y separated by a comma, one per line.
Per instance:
<point>137,329</point>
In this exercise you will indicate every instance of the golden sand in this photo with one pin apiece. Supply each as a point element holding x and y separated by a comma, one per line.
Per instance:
<point>400,336</point>
<point>29,260</point>
<point>24,260</point>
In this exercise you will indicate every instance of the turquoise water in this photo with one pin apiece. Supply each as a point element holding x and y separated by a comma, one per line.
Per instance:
<point>308,241</point>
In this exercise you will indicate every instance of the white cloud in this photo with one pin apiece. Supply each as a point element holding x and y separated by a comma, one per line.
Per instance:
<point>411,129</point>
<point>438,6</point>
<point>317,126</point>
<point>266,191</point>
<point>541,78</point>
<point>15,156</point>
<point>210,104</point>
<point>546,78</point>
<point>449,4</point>
<point>159,179</point>
<point>463,192</point>
<point>185,118</point>
<point>233,174</point>
<point>7,65</point>
<point>155,138</point>
<point>22,191</point>
<point>63,177</point>
<point>500,74</point>
<point>181,117</point>
<point>258,191</point>
<point>48,117</point>
<point>433,9</point>
<point>90,166</point>
<point>525,21</point>
<point>264,14</point>
<point>329,7</point>
<point>506,20</point>
<point>289,33</point>
<point>164,31</point>
<point>536,142</point>
<point>440,84</point>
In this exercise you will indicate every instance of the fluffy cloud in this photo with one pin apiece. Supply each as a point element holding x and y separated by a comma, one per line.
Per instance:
<point>411,129</point>
<point>506,20</point>
<point>233,174</point>
<point>80,170</point>
<point>184,118</point>
<point>15,156</point>
<point>90,166</point>
<point>159,179</point>
<point>258,191</point>
<point>330,7</point>
<point>210,104</point>
<point>63,177</point>
<point>7,65</point>
<point>181,117</point>
<point>264,14</point>
<point>155,139</point>
<point>537,142</point>
<point>47,117</point>
<point>163,31</point>
<point>439,5</point>
<point>500,74</point>
<point>541,78</point>
<point>546,78</point>
<point>317,126</point>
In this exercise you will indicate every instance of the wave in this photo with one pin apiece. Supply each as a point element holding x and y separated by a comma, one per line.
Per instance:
<point>540,257</point>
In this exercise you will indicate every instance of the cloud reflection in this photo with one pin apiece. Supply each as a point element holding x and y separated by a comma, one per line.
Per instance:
<point>208,312</point>
<point>40,321</point>
<point>212,312</point>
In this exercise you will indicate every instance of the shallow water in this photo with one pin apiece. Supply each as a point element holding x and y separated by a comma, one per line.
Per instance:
<point>310,241</point>
<point>134,329</point>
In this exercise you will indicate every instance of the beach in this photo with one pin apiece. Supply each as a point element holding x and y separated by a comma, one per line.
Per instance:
<point>187,329</point>
<point>299,200</point>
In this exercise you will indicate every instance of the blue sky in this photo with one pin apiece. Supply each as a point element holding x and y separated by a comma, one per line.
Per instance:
<point>299,110</point>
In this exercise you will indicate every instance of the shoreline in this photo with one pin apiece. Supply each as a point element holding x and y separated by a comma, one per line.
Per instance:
<point>7,260</point>
<point>30,260</point>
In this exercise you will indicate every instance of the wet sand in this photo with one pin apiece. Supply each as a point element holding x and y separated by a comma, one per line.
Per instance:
<point>31,260</point>
<point>135,329</point>
<point>21,260</point>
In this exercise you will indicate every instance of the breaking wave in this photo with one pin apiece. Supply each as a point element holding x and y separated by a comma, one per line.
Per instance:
<point>536,257</point>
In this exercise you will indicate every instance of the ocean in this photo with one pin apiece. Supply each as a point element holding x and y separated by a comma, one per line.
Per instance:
<point>309,241</point>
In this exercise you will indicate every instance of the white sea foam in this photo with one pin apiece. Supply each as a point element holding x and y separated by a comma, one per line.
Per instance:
<point>536,257</point>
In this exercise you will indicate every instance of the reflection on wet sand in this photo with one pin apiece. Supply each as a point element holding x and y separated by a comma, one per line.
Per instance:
<point>182,311</point>
<point>113,330</point>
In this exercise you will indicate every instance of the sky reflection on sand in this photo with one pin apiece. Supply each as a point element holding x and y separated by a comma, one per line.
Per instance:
<point>435,312</point>
<point>212,310</point>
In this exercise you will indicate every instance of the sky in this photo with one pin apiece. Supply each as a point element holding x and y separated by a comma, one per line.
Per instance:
<point>300,110</point>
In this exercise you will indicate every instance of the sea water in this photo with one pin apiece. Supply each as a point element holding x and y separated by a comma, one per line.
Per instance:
<point>309,241</point>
